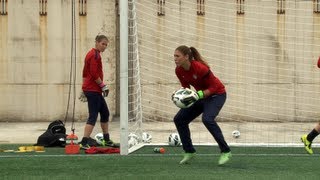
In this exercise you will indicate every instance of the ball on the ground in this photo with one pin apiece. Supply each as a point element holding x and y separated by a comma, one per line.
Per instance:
<point>146,137</point>
<point>99,138</point>
<point>133,140</point>
<point>236,134</point>
<point>174,139</point>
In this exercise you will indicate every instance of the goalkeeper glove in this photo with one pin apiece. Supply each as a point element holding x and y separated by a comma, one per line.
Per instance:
<point>104,89</point>
<point>83,97</point>
<point>190,97</point>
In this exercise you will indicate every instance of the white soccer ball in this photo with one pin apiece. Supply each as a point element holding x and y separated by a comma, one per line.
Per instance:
<point>133,139</point>
<point>184,97</point>
<point>132,142</point>
<point>133,136</point>
<point>236,133</point>
<point>174,139</point>
<point>146,137</point>
<point>99,138</point>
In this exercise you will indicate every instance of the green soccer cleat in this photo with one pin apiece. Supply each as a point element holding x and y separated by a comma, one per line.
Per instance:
<point>84,146</point>
<point>307,144</point>
<point>187,157</point>
<point>224,158</point>
<point>110,143</point>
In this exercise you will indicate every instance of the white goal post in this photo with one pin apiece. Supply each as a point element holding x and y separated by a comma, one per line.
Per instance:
<point>265,52</point>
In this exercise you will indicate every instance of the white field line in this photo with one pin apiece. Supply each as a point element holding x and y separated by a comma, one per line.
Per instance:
<point>152,155</point>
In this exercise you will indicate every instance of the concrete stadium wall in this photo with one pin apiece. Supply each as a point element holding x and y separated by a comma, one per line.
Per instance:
<point>266,60</point>
<point>35,57</point>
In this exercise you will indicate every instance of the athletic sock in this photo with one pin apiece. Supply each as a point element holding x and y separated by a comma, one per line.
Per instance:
<point>106,137</point>
<point>313,134</point>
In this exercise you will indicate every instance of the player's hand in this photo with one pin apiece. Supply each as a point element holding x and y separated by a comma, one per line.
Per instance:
<point>83,97</point>
<point>105,93</point>
<point>190,96</point>
<point>105,90</point>
<point>199,93</point>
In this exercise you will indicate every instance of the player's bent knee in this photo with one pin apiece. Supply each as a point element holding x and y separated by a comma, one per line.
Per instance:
<point>208,120</point>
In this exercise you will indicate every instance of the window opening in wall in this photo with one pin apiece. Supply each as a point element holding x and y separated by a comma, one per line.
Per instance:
<point>281,6</point>
<point>161,7</point>
<point>200,7</point>
<point>43,7</point>
<point>3,7</point>
<point>316,6</point>
<point>82,7</point>
<point>240,7</point>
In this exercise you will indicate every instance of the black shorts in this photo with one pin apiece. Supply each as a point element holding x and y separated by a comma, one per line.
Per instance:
<point>96,105</point>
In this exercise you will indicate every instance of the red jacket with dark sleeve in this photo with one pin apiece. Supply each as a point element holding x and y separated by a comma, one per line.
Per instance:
<point>200,77</point>
<point>92,70</point>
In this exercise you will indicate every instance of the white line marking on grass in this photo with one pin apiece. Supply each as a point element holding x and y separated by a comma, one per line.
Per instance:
<point>150,155</point>
<point>207,155</point>
<point>153,155</point>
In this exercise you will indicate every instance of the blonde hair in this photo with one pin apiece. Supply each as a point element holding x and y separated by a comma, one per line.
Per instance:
<point>99,38</point>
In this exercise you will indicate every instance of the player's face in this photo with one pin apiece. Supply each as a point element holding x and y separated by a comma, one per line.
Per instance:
<point>102,45</point>
<point>180,59</point>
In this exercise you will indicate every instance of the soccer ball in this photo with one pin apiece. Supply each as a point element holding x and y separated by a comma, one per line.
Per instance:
<point>133,136</point>
<point>133,139</point>
<point>174,139</point>
<point>132,142</point>
<point>146,137</point>
<point>99,138</point>
<point>236,133</point>
<point>184,97</point>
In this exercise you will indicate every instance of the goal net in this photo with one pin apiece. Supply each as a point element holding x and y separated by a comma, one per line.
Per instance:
<point>265,52</point>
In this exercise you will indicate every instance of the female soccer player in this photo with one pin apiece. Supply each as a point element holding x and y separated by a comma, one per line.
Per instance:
<point>307,139</point>
<point>94,91</point>
<point>192,70</point>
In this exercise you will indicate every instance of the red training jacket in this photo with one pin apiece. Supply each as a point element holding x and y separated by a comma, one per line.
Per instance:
<point>92,70</point>
<point>200,77</point>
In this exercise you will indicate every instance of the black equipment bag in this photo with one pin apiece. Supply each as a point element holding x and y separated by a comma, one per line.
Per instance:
<point>55,135</point>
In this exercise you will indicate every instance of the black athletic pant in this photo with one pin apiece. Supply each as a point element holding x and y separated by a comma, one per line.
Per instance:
<point>210,107</point>
<point>96,105</point>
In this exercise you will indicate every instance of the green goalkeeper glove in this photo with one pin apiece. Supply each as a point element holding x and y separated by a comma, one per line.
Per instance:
<point>200,94</point>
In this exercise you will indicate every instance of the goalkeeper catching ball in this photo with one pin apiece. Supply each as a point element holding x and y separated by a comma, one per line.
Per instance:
<point>192,70</point>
